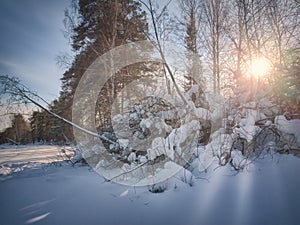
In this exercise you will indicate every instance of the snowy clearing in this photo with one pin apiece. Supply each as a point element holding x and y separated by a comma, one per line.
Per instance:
<point>265,193</point>
<point>16,159</point>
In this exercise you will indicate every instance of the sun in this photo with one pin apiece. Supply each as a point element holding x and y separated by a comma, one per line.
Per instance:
<point>260,67</point>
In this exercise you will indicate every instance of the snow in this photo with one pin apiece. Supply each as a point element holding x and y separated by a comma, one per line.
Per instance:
<point>238,160</point>
<point>202,113</point>
<point>15,159</point>
<point>157,148</point>
<point>288,126</point>
<point>267,192</point>
<point>205,158</point>
<point>38,218</point>
<point>193,90</point>
<point>220,142</point>
<point>173,142</point>
<point>247,132</point>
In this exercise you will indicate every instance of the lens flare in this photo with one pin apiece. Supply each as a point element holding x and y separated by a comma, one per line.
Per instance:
<point>260,67</point>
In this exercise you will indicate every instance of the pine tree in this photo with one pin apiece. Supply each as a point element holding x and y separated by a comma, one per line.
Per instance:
<point>102,26</point>
<point>18,132</point>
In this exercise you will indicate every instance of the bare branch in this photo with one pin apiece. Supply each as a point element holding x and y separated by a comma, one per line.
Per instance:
<point>15,88</point>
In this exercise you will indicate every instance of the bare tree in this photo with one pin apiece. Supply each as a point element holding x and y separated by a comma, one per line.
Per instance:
<point>191,19</point>
<point>160,49</point>
<point>215,14</point>
<point>283,17</point>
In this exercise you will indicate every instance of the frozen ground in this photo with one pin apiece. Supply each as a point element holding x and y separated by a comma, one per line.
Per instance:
<point>35,191</point>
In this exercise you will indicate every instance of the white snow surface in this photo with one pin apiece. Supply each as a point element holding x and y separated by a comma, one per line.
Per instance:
<point>17,158</point>
<point>266,192</point>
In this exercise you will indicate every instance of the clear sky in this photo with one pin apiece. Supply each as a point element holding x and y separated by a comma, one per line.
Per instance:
<point>31,38</point>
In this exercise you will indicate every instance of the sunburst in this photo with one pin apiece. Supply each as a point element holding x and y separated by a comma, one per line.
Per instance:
<point>259,67</point>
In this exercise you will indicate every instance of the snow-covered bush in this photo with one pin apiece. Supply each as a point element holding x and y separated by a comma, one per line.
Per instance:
<point>158,133</point>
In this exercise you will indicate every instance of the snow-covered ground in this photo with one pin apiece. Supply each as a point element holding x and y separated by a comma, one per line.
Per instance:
<point>34,190</point>
<point>16,159</point>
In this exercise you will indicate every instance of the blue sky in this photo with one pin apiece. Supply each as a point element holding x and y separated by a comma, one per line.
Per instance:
<point>31,38</point>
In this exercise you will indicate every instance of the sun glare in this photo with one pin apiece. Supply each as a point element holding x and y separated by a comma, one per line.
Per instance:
<point>260,67</point>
